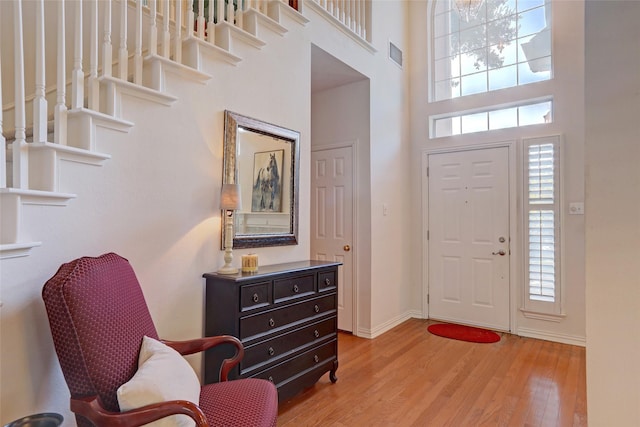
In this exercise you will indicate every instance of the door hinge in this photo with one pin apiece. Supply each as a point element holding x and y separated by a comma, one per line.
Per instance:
<point>427,299</point>
<point>427,172</point>
<point>427,234</point>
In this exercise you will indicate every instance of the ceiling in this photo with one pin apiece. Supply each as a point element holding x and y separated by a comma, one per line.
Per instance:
<point>328,72</point>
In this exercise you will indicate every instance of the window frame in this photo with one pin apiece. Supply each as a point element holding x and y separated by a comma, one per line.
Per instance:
<point>431,55</point>
<point>531,307</point>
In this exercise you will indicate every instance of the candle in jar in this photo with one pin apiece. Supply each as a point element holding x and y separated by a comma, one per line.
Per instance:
<point>250,263</point>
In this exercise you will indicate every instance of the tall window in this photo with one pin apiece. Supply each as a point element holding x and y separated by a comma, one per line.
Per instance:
<point>505,43</point>
<point>542,217</point>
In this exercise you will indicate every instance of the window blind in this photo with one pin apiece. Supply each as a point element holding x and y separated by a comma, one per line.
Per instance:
<point>542,222</point>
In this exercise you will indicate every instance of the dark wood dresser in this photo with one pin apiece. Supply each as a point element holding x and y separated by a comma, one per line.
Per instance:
<point>286,317</point>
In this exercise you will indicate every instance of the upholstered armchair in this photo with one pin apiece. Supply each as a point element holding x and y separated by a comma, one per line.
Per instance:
<point>99,320</point>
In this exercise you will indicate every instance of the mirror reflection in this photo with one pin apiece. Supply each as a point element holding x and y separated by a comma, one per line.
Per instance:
<point>263,159</point>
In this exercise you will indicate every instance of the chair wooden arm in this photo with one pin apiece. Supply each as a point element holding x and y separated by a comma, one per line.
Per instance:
<point>201,344</point>
<point>91,408</point>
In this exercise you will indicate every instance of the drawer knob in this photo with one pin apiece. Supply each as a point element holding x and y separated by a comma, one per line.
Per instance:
<point>316,308</point>
<point>270,378</point>
<point>296,289</point>
<point>316,333</point>
<point>271,351</point>
<point>327,281</point>
<point>316,358</point>
<point>256,298</point>
<point>272,322</point>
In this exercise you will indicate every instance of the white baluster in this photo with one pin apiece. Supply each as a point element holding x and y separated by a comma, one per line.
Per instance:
<point>211,25</point>
<point>191,18</point>
<point>357,16</point>
<point>107,49</point>
<point>123,54</point>
<point>219,10</point>
<point>363,18</point>
<point>60,111</point>
<point>40,102</point>
<point>3,141</point>
<point>178,20</point>
<point>93,84</point>
<point>201,17</point>
<point>166,34</point>
<point>77,77</point>
<point>239,17</point>
<point>230,12</point>
<point>20,171</point>
<point>153,28</point>
<point>137,56</point>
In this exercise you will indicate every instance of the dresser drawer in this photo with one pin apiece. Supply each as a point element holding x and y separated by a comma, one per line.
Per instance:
<point>254,296</point>
<point>274,320</point>
<point>275,348</point>
<point>306,361</point>
<point>327,280</point>
<point>296,287</point>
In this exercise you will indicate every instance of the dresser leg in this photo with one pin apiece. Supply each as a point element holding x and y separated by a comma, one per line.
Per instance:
<point>332,373</point>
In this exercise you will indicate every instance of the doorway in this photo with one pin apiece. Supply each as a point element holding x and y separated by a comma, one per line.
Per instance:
<point>340,193</point>
<point>332,183</point>
<point>469,236</point>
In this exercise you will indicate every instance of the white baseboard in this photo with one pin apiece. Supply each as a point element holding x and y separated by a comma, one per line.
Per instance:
<point>388,325</point>
<point>551,336</point>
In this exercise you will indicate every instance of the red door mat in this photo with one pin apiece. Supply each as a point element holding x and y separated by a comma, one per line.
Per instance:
<point>463,333</point>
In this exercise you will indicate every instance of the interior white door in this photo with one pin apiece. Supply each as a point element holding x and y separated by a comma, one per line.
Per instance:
<point>332,221</point>
<point>469,237</point>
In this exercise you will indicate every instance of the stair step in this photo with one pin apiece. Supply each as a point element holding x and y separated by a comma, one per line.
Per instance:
<point>113,88</point>
<point>15,250</point>
<point>157,66</point>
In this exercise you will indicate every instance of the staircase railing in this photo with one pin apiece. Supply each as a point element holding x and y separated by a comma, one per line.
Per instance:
<point>65,63</point>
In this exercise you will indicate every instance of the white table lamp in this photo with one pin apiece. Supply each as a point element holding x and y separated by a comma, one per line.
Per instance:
<point>229,201</point>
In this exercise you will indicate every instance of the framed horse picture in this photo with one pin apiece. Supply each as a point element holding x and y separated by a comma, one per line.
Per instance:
<point>266,194</point>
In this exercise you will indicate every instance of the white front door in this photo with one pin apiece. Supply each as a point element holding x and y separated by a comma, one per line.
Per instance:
<point>332,221</point>
<point>469,237</point>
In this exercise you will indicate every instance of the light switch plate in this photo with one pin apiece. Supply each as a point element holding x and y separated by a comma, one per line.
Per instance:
<point>576,208</point>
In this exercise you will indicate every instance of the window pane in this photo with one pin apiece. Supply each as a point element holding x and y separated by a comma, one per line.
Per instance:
<point>499,118</point>
<point>503,77</point>
<point>441,47</point>
<point>443,127</point>
<point>472,62</point>
<point>474,123</point>
<point>447,89</point>
<point>442,69</point>
<point>507,118</point>
<point>498,36</point>
<point>531,22</point>
<point>534,114</point>
<point>474,83</point>
<point>529,4</point>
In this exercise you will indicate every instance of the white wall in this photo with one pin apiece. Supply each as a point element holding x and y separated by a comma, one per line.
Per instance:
<point>341,115</point>
<point>156,200</point>
<point>389,278</point>
<point>567,88</point>
<point>613,218</point>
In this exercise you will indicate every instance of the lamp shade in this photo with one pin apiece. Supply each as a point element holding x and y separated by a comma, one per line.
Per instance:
<point>230,197</point>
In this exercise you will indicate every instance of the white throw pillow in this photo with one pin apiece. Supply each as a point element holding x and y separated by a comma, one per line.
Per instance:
<point>163,374</point>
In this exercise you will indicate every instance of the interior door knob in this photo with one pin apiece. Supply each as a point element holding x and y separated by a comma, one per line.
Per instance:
<point>347,248</point>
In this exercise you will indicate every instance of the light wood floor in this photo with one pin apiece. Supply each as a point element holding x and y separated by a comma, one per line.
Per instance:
<point>408,377</point>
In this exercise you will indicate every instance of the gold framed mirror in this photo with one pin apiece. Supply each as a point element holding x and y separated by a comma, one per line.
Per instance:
<point>264,159</point>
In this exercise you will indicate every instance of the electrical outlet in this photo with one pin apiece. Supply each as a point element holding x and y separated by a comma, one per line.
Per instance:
<point>576,208</point>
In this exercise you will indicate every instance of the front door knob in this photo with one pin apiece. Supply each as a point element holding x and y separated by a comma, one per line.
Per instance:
<point>347,248</point>
<point>500,252</point>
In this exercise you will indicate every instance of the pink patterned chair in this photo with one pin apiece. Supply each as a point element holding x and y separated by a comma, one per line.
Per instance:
<point>98,318</point>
